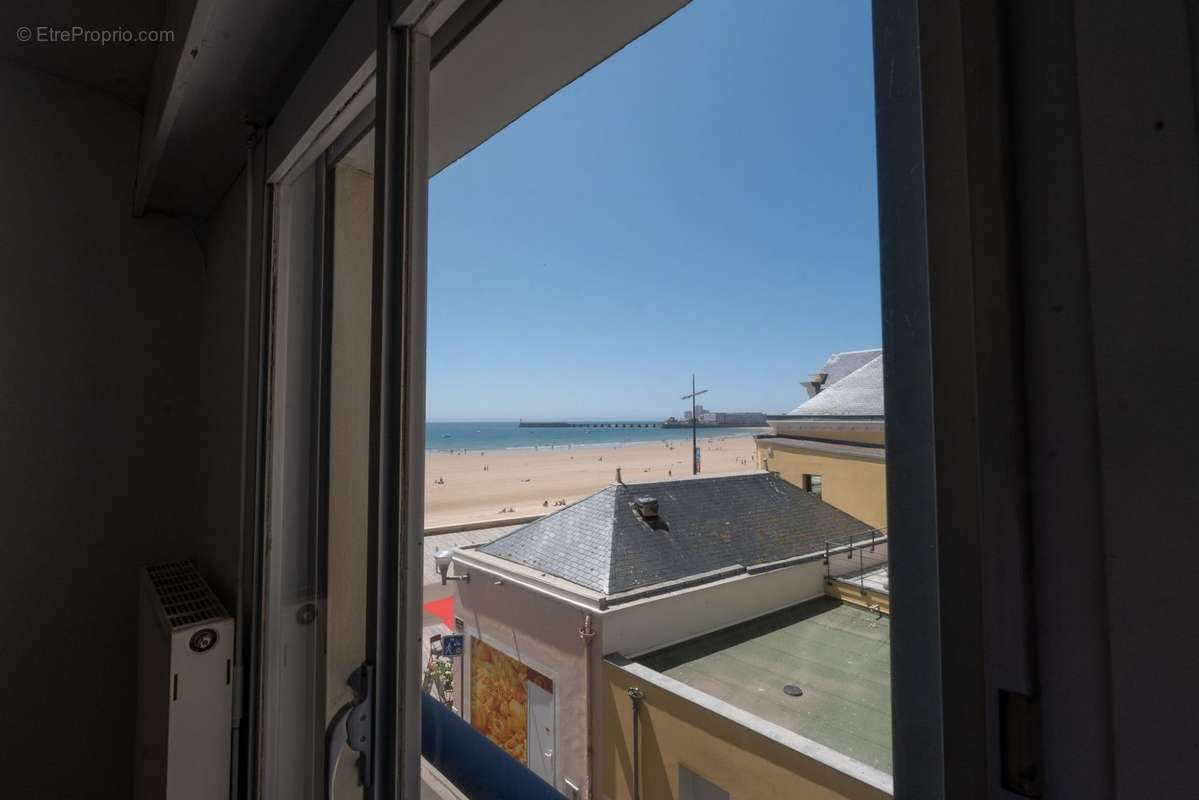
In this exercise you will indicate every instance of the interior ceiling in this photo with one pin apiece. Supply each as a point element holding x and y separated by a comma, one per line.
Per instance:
<point>253,54</point>
<point>120,70</point>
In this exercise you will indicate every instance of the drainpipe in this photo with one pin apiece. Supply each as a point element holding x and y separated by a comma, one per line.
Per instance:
<point>636,695</point>
<point>587,634</point>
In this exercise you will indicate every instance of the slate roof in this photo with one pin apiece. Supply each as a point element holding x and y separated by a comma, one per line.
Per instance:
<point>858,393</point>
<point>839,365</point>
<point>711,523</point>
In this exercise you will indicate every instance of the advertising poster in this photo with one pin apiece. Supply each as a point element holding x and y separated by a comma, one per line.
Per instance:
<point>499,702</point>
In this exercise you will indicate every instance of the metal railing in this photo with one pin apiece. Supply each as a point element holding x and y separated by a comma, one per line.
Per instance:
<point>858,559</point>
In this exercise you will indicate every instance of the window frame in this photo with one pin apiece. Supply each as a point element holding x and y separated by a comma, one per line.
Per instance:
<point>925,103</point>
<point>958,370</point>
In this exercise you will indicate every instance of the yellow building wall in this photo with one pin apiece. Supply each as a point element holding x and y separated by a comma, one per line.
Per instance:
<point>857,486</point>
<point>861,437</point>
<point>674,731</point>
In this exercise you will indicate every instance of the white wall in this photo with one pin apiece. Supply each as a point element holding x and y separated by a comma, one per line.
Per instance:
<point>543,634</point>
<point>658,621</point>
<point>99,429</point>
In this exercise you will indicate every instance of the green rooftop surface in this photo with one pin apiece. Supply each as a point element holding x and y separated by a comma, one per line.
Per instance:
<point>838,654</point>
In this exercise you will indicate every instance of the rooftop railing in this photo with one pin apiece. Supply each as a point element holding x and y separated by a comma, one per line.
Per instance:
<point>860,560</point>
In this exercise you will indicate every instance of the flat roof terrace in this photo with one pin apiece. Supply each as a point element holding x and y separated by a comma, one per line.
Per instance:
<point>839,655</point>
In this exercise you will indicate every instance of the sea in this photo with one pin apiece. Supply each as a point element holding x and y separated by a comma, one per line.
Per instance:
<point>447,436</point>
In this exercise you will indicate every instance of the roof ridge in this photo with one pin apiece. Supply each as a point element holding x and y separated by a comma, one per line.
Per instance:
<point>849,375</point>
<point>861,366</point>
<point>685,478</point>
<point>611,525</point>
<point>855,352</point>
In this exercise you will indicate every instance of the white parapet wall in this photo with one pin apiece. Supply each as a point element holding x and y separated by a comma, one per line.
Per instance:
<point>660,620</point>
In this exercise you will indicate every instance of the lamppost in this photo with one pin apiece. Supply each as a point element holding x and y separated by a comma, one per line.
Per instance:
<point>694,443</point>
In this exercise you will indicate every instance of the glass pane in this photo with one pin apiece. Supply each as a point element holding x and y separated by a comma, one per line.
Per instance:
<point>317,555</point>
<point>656,449</point>
<point>291,733</point>
<point>353,188</point>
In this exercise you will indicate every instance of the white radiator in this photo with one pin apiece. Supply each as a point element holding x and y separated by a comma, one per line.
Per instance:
<point>184,687</point>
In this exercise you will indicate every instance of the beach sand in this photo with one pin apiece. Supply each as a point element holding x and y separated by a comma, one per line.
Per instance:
<point>479,484</point>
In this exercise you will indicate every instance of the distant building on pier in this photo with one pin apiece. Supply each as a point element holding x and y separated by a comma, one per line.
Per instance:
<point>719,419</point>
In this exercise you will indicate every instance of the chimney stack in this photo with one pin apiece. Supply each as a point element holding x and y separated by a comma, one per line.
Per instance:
<point>815,383</point>
<point>646,508</point>
<point>618,479</point>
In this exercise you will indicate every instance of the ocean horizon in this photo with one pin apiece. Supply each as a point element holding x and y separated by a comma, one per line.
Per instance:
<point>508,435</point>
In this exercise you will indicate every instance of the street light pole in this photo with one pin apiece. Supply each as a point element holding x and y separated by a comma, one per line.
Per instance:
<point>694,442</point>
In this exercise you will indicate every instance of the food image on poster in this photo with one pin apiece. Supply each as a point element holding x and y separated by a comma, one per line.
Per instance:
<point>499,701</point>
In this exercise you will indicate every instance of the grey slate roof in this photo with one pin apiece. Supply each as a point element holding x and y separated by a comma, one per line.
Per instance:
<point>712,523</point>
<point>840,365</point>
<point>856,394</point>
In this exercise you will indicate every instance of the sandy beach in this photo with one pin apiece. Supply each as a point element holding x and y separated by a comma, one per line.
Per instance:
<point>478,485</point>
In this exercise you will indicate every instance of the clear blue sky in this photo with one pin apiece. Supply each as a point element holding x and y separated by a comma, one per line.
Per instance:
<point>703,201</point>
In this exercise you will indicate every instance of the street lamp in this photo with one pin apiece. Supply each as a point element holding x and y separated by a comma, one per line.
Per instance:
<point>442,559</point>
<point>694,443</point>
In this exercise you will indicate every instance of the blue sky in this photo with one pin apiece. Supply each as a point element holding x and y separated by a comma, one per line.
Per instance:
<point>703,201</point>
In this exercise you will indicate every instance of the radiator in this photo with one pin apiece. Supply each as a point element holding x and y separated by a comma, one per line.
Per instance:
<point>184,687</point>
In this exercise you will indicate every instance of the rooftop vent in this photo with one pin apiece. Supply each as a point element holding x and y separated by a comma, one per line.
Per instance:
<point>646,508</point>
